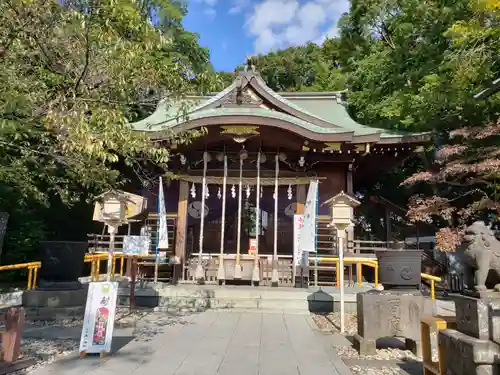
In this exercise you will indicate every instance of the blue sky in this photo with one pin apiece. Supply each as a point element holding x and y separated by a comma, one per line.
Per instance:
<point>232,29</point>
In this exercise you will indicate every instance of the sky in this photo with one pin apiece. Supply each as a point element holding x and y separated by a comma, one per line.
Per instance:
<point>233,29</point>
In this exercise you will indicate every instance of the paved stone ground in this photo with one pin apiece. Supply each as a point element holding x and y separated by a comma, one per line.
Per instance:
<point>215,343</point>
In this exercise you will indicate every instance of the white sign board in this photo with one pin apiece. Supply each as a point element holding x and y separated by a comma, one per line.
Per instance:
<point>307,240</point>
<point>99,320</point>
<point>298,221</point>
<point>136,245</point>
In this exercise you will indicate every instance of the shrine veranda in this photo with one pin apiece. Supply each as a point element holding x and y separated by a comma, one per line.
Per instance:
<point>257,141</point>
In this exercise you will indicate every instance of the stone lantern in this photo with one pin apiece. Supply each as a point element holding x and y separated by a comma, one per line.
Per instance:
<point>342,212</point>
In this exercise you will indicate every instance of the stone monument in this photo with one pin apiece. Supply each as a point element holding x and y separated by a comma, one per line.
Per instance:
<point>58,287</point>
<point>396,311</point>
<point>474,347</point>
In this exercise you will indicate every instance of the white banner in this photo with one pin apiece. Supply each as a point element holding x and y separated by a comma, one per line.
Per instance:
<point>162,212</point>
<point>307,239</point>
<point>298,221</point>
<point>99,320</point>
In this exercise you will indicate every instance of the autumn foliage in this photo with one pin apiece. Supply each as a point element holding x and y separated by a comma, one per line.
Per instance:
<point>466,180</point>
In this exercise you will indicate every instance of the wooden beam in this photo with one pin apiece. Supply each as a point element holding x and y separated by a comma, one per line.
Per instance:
<point>181,226</point>
<point>301,199</point>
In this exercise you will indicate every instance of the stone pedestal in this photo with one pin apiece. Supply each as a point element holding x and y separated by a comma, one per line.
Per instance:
<point>390,314</point>
<point>473,348</point>
<point>467,355</point>
<point>54,304</point>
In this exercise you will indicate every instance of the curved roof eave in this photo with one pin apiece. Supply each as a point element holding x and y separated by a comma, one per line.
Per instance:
<point>281,122</point>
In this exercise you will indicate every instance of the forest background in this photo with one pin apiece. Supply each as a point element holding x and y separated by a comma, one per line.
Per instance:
<point>74,72</point>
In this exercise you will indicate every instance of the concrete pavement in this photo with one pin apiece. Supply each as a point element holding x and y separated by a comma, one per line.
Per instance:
<point>215,343</point>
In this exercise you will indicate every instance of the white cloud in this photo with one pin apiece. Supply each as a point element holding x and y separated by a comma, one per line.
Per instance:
<point>282,23</point>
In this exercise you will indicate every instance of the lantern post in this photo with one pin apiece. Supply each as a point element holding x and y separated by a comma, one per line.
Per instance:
<point>342,207</point>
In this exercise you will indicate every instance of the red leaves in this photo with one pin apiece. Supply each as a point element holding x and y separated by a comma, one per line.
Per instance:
<point>466,178</point>
<point>448,239</point>
<point>418,177</point>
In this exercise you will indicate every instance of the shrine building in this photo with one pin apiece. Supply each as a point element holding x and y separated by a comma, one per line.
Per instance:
<point>253,142</point>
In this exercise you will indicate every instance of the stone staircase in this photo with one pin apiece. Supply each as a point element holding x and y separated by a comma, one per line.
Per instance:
<point>197,298</point>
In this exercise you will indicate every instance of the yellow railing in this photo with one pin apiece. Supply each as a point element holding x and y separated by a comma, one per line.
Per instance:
<point>95,264</point>
<point>433,280</point>
<point>374,264</point>
<point>32,271</point>
<point>359,261</point>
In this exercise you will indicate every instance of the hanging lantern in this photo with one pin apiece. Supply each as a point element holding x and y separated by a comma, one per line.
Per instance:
<point>289,191</point>
<point>219,195</point>
<point>193,191</point>
<point>233,192</point>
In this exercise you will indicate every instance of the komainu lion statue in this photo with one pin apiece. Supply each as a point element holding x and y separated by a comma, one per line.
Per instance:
<point>481,251</point>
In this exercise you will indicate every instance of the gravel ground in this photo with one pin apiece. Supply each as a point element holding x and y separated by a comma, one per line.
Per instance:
<point>391,351</point>
<point>46,351</point>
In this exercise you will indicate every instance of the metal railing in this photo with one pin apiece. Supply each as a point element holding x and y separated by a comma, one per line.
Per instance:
<point>32,271</point>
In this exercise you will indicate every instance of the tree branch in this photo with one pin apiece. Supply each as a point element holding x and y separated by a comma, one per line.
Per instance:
<point>87,47</point>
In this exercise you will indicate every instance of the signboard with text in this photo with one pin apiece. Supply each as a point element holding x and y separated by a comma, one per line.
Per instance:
<point>136,245</point>
<point>252,246</point>
<point>298,222</point>
<point>99,320</point>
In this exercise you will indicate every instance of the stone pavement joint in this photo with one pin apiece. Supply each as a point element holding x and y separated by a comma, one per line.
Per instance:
<point>218,343</point>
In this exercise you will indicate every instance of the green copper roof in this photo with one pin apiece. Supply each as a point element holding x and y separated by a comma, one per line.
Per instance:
<point>241,111</point>
<point>320,112</point>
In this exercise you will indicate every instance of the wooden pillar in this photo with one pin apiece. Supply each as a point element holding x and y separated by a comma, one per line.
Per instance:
<point>350,190</point>
<point>349,246</point>
<point>11,338</point>
<point>301,199</point>
<point>181,228</point>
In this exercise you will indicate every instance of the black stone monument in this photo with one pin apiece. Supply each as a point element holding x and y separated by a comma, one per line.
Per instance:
<point>62,264</point>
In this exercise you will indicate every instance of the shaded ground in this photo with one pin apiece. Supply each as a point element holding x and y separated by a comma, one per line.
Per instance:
<point>214,343</point>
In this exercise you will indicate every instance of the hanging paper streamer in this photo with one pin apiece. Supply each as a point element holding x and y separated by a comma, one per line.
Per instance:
<point>261,191</point>
<point>233,192</point>
<point>289,191</point>
<point>207,193</point>
<point>219,195</point>
<point>248,191</point>
<point>193,191</point>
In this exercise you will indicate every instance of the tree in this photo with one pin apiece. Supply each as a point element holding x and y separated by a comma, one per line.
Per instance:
<point>466,174</point>
<point>74,73</point>
<point>404,71</point>
<point>304,68</point>
<point>468,170</point>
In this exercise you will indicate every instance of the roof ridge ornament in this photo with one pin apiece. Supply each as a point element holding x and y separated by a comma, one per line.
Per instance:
<point>249,67</point>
